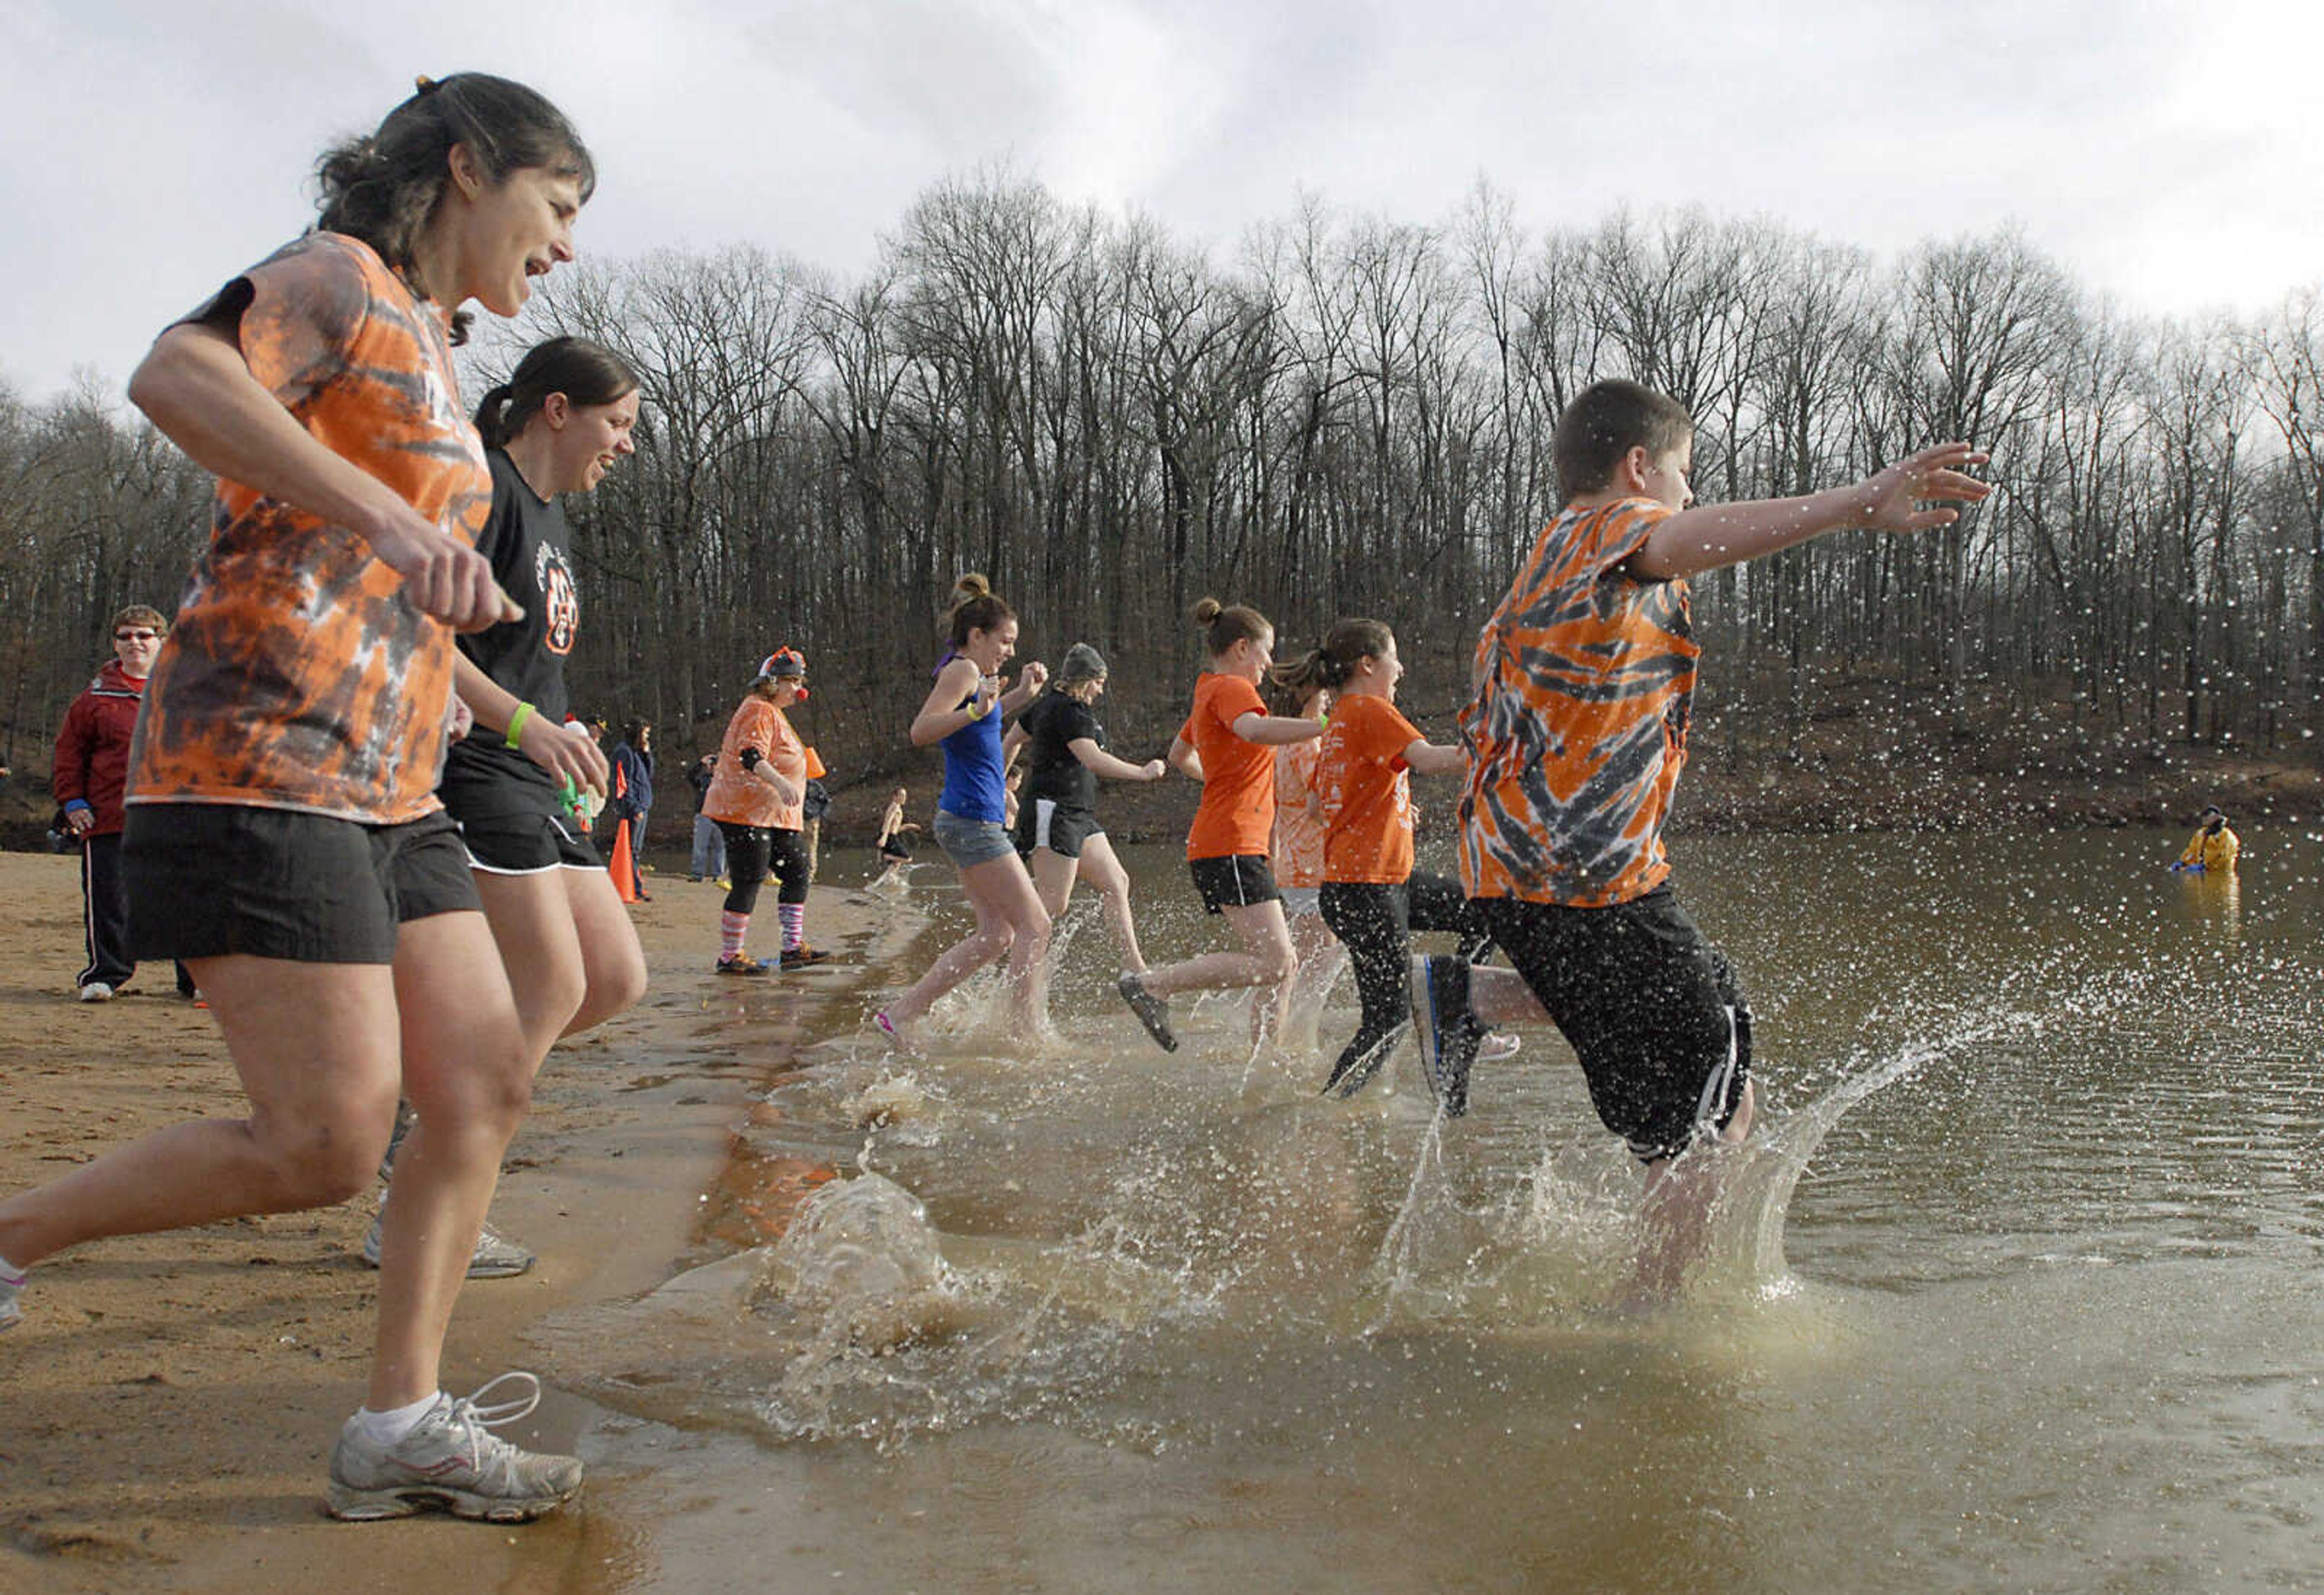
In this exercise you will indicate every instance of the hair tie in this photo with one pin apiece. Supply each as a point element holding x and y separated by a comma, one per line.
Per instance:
<point>424,84</point>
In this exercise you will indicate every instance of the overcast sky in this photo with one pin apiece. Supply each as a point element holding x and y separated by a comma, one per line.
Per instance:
<point>2167,154</point>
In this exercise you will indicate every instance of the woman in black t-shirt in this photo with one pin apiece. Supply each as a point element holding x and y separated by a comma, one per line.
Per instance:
<point>555,426</point>
<point>1057,820</point>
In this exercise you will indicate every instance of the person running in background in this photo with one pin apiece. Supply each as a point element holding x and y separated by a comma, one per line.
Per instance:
<point>1228,745</point>
<point>2213,848</point>
<point>91,770</point>
<point>561,420</point>
<point>1371,897</point>
<point>1057,828</point>
<point>755,798</point>
<point>893,844</point>
<point>284,836</point>
<point>1576,733</point>
<point>813,806</point>
<point>963,715</point>
<point>1296,852</point>
<point>708,859</point>
<point>630,799</point>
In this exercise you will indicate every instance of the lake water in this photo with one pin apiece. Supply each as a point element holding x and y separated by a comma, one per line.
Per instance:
<point>2018,1288</point>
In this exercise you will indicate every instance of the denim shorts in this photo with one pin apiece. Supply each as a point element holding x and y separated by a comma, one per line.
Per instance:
<point>970,843</point>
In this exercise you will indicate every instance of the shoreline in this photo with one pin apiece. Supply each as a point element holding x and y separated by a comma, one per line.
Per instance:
<point>173,1399</point>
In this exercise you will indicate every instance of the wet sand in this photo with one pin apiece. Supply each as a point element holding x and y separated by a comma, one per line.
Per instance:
<point>171,1400</point>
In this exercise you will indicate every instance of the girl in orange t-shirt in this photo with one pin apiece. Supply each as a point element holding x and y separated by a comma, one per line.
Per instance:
<point>1370,897</point>
<point>284,836</point>
<point>1226,744</point>
<point>1297,849</point>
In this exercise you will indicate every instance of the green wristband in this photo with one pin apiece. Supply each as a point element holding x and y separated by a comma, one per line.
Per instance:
<point>515,731</point>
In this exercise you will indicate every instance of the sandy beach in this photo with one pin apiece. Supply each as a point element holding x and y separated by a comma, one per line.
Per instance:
<point>172,1399</point>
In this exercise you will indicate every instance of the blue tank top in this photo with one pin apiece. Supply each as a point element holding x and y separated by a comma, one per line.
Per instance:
<point>972,787</point>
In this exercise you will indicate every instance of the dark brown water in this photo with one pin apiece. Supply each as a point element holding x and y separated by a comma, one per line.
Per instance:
<point>2017,1288</point>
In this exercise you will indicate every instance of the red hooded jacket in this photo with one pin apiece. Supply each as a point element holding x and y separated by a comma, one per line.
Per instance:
<point>93,746</point>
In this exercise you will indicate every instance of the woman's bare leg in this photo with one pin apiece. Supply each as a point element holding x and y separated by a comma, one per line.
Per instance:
<point>1009,919</point>
<point>1101,868</point>
<point>467,1071</point>
<point>316,1048</point>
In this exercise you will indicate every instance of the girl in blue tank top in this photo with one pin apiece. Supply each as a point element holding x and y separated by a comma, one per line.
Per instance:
<point>964,713</point>
<point>973,783</point>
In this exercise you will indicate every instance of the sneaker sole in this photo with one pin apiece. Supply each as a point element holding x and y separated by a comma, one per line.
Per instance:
<point>350,1505</point>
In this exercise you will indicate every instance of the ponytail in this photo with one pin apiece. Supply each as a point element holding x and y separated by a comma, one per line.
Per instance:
<point>1226,624</point>
<point>975,607</point>
<point>586,371</point>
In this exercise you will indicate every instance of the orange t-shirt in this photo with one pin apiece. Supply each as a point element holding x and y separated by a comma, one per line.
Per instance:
<point>1238,809</point>
<point>1585,676</point>
<point>1297,849</point>
<point>1367,790</point>
<point>740,796</point>
<point>300,674</point>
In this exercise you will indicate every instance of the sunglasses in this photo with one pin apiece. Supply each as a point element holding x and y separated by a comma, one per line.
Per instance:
<point>135,636</point>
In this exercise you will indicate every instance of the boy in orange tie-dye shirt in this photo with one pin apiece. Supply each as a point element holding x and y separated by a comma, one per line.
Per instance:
<point>1584,681</point>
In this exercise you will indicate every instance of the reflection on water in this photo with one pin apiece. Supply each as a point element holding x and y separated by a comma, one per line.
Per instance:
<point>2015,1290</point>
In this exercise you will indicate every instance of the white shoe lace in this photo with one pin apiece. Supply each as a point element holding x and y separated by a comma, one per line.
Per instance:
<point>472,1415</point>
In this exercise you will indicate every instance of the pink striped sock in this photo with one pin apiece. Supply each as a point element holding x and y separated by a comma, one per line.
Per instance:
<point>794,918</point>
<point>733,930</point>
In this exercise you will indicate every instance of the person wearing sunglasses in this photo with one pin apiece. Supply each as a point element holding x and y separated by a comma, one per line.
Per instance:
<point>92,768</point>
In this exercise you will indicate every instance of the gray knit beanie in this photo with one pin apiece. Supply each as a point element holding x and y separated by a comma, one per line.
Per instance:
<point>1082,663</point>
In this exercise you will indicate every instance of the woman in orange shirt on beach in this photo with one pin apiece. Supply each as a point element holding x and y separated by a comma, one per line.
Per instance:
<point>758,799</point>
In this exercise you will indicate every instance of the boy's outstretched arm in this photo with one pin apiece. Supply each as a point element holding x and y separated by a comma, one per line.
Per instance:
<point>1898,499</point>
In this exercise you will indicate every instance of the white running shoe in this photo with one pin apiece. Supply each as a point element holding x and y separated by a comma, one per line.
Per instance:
<point>96,991</point>
<point>496,1256</point>
<point>451,1461</point>
<point>11,1286</point>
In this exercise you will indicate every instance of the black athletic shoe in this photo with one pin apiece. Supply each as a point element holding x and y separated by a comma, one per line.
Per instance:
<point>1152,1011</point>
<point>1351,1076</point>
<point>1448,1032</point>
<point>802,955</point>
<point>741,964</point>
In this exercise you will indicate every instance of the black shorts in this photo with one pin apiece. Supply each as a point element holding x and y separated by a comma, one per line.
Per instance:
<point>895,850</point>
<point>1239,881</point>
<point>209,879</point>
<point>527,845</point>
<point>1062,829</point>
<point>1651,1008</point>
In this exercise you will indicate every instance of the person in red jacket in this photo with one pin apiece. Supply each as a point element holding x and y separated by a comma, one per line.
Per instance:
<point>92,767</point>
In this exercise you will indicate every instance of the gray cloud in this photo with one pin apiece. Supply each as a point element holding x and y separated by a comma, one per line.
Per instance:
<point>159,147</point>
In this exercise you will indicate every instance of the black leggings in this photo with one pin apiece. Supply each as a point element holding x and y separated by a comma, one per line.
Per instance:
<point>753,852</point>
<point>1375,922</point>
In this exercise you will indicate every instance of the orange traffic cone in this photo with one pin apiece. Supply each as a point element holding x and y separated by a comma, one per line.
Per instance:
<point>623,869</point>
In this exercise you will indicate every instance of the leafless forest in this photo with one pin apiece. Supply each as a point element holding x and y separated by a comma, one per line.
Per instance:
<point>1342,414</point>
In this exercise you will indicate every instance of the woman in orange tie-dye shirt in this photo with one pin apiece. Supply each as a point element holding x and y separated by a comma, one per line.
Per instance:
<point>284,837</point>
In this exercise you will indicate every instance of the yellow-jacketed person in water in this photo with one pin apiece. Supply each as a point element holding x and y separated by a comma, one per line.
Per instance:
<point>2213,848</point>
